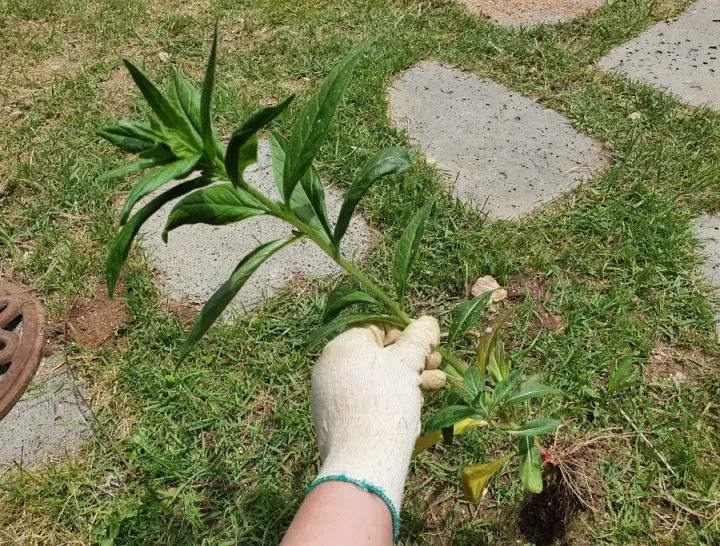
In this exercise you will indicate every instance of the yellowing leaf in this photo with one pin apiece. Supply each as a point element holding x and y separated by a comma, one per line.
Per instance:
<point>428,440</point>
<point>476,476</point>
<point>468,424</point>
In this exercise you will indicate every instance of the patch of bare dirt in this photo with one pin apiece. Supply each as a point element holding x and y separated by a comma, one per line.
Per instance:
<point>537,288</point>
<point>20,78</point>
<point>679,366</point>
<point>94,322</point>
<point>185,310</point>
<point>117,90</point>
<point>531,12</point>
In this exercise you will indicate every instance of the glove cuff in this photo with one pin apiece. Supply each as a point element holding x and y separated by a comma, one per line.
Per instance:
<point>367,487</point>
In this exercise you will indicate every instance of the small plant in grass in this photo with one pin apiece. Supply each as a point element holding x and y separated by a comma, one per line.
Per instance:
<point>179,139</point>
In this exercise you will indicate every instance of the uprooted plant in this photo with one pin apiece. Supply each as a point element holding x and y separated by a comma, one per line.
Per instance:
<point>180,139</point>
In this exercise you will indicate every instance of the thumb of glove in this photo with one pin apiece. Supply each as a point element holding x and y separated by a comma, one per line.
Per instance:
<point>417,342</point>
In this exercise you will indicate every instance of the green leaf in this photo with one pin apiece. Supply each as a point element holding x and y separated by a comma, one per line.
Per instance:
<point>129,168</point>
<point>458,398</point>
<point>278,146</point>
<point>448,434</point>
<point>383,163</point>
<point>342,322</point>
<point>121,139</point>
<point>130,136</point>
<point>530,465</point>
<point>121,245</point>
<point>154,179</point>
<point>165,111</point>
<point>619,373</point>
<point>475,477</point>
<point>141,131</point>
<point>341,298</point>
<point>312,185</point>
<point>488,343</point>
<point>536,427</point>
<point>314,123</point>
<point>503,388</point>
<point>245,133</point>
<point>407,249</point>
<point>247,155</point>
<point>493,368</point>
<point>216,206</point>
<point>474,382</point>
<point>449,415</point>
<point>300,204</point>
<point>222,297</point>
<point>528,390</point>
<point>467,315</point>
<point>499,355</point>
<point>186,98</point>
<point>178,143</point>
<point>160,153</point>
<point>451,372</point>
<point>206,125</point>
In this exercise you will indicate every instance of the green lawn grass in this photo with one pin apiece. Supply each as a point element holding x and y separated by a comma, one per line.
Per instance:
<point>221,452</point>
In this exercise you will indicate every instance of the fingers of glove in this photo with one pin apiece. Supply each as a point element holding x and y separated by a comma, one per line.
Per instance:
<point>352,340</point>
<point>433,361</point>
<point>432,380</point>
<point>392,333</point>
<point>423,332</point>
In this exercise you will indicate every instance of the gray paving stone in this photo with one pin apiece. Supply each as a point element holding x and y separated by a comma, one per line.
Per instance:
<point>499,150</point>
<point>522,13</point>
<point>47,422</point>
<point>707,228</point>
<point>199,258</point>
<point>681,56</point>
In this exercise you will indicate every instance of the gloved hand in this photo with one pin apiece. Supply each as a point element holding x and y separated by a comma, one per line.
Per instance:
<point>366,404</point>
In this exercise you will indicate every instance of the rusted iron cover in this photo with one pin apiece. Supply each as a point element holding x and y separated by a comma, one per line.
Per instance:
<point>22,340</point>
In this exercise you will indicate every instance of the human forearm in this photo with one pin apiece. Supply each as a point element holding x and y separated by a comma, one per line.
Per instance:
<point>341,514</point>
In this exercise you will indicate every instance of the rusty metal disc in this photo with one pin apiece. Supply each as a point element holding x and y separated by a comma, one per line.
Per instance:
<point>22,340</point>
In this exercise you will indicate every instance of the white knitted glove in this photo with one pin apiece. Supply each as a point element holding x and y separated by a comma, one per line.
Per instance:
<point>366,404</point>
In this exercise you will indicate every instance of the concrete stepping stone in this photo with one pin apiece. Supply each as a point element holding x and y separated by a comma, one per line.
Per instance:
<point>499,150</point>
<point>199,258</point>
<point>707,228</point>
<point>47,422</point>
<point>527,13</point>
<point>680,56</point>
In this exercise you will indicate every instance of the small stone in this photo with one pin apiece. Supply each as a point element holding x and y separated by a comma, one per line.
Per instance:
<point>487,284</point>
<point>432,380</point>
<point>111,481</point>
<point>635,116</point>
<point>164,56</point>
<point>678,377</point>
<point>433,361</point>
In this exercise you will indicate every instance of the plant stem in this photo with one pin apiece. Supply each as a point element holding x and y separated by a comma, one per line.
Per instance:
<point>459,366</point>
<point>367,283</point>
<point>348,266</point>
<point>277,210</point>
